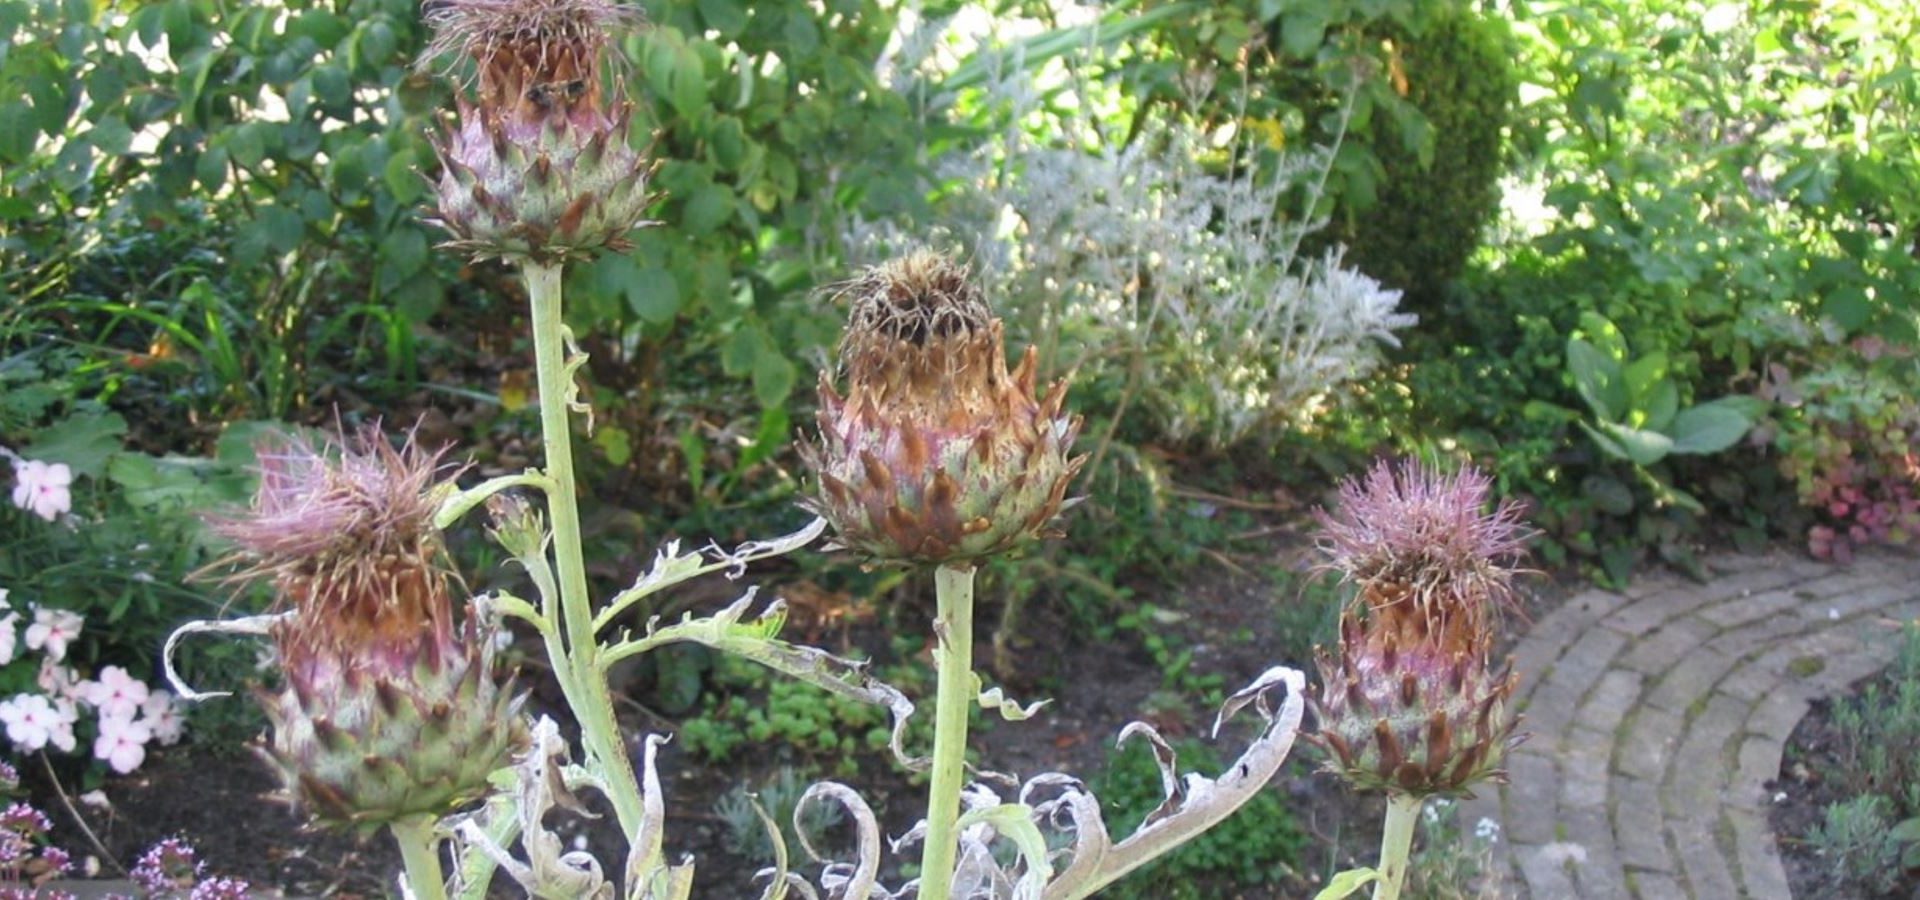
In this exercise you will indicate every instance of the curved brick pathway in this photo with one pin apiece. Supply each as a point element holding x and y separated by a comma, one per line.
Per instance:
<point>1658,714</point>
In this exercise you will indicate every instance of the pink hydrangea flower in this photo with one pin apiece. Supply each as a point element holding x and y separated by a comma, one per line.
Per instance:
<point>52,630</point>
<point>122,743</point>
<point>42,489</point>
<point>117,694</point>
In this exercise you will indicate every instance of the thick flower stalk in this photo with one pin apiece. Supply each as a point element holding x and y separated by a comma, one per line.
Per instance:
<point>1409,702</point>
<point>390,712</point>
<point>537,167</point>
<point>937,454</point>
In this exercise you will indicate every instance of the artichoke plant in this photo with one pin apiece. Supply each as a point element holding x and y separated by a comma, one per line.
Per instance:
<point>937,453</point>
<point>537,166</point>
<point>389,708</point>
<point>1409,702</point>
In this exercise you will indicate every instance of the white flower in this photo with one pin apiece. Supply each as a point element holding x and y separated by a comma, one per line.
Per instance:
<point>9,635</point>
<point>30,721</point>
<point>97,799</point>
<point>161,714</point>
<point>42,489</point>
<point>52,629</point>
<point>1487,830</point>
<point>65,715</point>
<point>58,680</point>
<point>116,694</point>
<point>122,743</point>
<point>3,599</point>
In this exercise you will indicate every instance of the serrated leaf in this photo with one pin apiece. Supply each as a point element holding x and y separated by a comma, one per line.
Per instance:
<point>84,442</point>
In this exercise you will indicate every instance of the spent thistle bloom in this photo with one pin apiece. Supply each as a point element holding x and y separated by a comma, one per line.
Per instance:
<point>937,453</point>
<point>1408,701</point>
<point>537,166</point>
<point>389,708</point>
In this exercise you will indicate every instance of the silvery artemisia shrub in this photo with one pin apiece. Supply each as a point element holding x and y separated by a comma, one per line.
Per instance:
<point>937,453</point>
<point>390,707</point>
<point>1409,701</point>
<point>537,167</point>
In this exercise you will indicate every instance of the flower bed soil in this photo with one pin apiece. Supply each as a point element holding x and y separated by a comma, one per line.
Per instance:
<point>1803,793</point>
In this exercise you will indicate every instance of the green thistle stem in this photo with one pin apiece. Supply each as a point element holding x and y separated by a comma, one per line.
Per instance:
<point>953,588</point>
<point>419,852</point>
<point>1396,841</point>
<point>586,690</point>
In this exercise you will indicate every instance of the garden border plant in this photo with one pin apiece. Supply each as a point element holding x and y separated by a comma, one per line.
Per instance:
<point>937,456</point>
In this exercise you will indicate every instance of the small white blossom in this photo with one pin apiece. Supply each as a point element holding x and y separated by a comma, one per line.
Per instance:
<point>52,630</point>
<point>122,743</point>
<point>9,636</point>
<point>1487,830</point>
<point>30,721</point>
<point>162,714</point>
<point>116,694</point>
<point>42,489</point>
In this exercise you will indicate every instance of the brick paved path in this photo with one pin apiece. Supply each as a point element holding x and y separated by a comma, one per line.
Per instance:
<point>1658,715</point>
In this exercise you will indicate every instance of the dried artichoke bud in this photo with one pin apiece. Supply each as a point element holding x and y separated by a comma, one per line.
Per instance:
<point>537,167</point>
<point>389,707</point>
<point>937,453</point>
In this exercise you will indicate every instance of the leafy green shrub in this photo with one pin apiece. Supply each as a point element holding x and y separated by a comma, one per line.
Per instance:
<point>1255,849</point>
<point>1439,183</point>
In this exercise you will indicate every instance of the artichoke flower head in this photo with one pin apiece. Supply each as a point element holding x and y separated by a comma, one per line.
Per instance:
<point>389,706</point>
<point>937,453</point>
<point>1409,701</point>
<point>537,167</point>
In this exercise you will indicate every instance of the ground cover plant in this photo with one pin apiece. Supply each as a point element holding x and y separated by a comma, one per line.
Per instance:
<point>1851,820</point>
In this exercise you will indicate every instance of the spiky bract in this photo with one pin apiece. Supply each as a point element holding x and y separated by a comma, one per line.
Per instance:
<point>937,453</point>
<point>1409,702</point>
<point>1414,719</point>
<point>538,167</point>
<point>389,707</point>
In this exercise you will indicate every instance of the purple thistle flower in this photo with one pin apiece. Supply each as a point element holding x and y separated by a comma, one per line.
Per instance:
<point>1424,535</point>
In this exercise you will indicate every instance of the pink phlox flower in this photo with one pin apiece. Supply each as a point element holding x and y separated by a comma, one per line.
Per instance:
<point>30,721</point>
<point>52,629</point>
<point>122,743</point>
<point>117,693</point>
<point>162,714</point>
<point>42,489</point>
